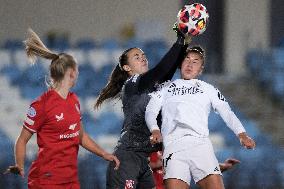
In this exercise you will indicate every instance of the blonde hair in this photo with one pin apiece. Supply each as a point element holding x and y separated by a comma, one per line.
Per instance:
<point>60,62</point>
<point>35,47</point>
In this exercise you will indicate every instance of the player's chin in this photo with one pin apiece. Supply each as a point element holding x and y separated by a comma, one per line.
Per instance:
<point>144,70</point>
<point>188,76</point>
<point>74,83</point>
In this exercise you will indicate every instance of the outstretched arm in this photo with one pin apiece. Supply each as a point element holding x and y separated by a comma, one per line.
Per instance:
<point>166,67</point>
<point>220,104</point>
<point>178,62</point>
<point>90,145</point>
<point>235,125</point>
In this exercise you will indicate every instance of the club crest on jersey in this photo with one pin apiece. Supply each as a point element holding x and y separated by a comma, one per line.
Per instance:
<point>77,108</point>
<point>31,112</point>
<point>72,126</point>
<point>59,117</point>
<point>129,184</point>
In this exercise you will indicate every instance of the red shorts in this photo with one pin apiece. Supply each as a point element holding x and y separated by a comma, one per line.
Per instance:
<point>34,184</point>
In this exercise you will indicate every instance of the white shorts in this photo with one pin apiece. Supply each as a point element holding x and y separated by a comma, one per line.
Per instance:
<point>198,160</point>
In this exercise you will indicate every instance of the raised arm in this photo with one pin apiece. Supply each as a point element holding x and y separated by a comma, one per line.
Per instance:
<point>178,62</point>
<point>165,69</point>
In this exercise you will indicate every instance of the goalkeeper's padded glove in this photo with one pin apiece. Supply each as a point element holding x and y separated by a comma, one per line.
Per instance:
<point>182,38</point>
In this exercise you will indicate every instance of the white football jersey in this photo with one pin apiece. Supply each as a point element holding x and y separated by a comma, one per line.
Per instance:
<point>186,105</point>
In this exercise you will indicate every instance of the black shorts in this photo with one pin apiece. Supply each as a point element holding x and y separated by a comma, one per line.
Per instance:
<point>134,172</point>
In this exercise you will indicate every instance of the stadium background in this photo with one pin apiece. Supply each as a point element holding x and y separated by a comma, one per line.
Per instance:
<point>245,60</point>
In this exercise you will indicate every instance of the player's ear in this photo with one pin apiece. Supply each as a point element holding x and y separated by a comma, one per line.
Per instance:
<point>71,72</point>
<point>126,68</point>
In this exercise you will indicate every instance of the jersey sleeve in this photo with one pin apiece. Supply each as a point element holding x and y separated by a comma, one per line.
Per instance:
<point>165,69</point>
<point>35,116</point>
<point>221,106</point>
<point>130,86</point>
<point>153,108</point>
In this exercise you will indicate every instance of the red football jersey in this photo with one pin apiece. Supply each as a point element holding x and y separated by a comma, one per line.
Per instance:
<point>57,123</point>
<point>158,173</point>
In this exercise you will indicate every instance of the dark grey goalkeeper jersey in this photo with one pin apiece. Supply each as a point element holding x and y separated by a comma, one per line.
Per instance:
<point>135,135</point>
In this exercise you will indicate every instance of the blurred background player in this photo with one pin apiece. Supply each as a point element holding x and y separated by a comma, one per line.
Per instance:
<point>156,164</point>
<point>186,104</point>
<point>55,117</point>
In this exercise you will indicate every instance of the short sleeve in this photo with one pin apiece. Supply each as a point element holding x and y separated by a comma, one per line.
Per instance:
<point>35,116</point>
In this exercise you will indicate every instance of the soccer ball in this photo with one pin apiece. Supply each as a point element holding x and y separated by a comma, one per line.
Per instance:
<point>193,19</point>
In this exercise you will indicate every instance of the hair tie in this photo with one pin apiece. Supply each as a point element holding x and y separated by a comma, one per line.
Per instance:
<point>56,56</point>
<point>196,50</point>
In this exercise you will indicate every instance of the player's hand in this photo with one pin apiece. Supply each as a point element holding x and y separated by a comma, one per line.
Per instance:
<point>156,137</point>
<point>111,157</point>
<point>187,37</point>
<point>228,164</point>
<point>246,141</point>
<point>15,169</point>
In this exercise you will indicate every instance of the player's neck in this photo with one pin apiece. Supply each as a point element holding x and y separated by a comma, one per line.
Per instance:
<point>62,92</point>
<point>63,89</point>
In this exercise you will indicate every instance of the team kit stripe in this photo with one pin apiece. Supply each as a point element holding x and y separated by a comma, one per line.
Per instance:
<point>29,129</point>
<point>29,121</point>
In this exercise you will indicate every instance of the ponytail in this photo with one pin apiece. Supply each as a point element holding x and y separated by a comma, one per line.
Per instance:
<point>115,82</point>
<point>35,47</point>
<point>113,87</point>
<point>59,64</point>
